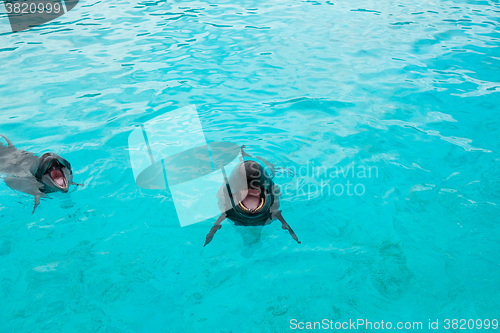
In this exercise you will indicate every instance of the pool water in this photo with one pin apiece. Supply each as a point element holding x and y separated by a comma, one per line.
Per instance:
<point>406,89</point>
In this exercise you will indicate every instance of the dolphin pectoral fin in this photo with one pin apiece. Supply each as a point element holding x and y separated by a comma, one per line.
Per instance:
<point>211,234</point>
<point>37,202</point>
<point>214,229</point>
<point>28,185</point>
<point>8,141</point>
<point>291,232</point>
<point>285,226</point>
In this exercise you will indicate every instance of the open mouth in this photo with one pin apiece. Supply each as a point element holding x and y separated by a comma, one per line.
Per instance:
<point>57,175</point>
<point>253,202</point>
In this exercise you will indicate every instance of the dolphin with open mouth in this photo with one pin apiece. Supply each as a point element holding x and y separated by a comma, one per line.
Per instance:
<point>25,172</point>
<point>250,197</point>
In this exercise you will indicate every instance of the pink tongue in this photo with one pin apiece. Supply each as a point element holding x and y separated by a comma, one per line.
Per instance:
<point>252,199</point>
<point>251,202</point>
<point>253,192</point>
<point>58,177</point>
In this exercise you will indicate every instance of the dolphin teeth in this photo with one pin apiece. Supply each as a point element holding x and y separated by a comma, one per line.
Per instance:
<point>261,204</point>
<point>241,205</point>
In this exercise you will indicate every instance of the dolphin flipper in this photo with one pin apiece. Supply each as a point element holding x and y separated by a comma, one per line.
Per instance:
<point>285,225</point>
<point>27,185</point>
<point>214,229</point>
<point>37,202</point>
<point>8,141</point>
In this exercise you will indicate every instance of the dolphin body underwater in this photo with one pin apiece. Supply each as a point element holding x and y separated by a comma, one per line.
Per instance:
<point>252,199</point>
<point>25,172</point>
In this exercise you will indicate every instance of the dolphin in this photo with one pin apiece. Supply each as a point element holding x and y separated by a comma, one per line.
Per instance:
<point>250,197</point>
<point>25,172</point>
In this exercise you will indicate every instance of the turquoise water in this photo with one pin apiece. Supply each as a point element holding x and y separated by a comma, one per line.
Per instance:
<point>410,89</point>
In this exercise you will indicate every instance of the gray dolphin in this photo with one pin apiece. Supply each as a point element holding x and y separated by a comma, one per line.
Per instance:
<point>253,199</point>
<point>25,172</point>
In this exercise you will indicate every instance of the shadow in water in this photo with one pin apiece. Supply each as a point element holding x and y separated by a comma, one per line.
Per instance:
<point>251,239</point>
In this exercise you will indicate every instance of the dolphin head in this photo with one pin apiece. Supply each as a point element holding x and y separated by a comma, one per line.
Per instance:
<point>253,195</point>
<point>54,172</point>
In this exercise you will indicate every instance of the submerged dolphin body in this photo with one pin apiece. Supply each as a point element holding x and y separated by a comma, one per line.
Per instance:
<point>252,199</point>
<point>25,172</point>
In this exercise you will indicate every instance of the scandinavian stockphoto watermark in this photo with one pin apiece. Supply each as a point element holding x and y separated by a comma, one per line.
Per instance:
<point>25,14</point>
<point>170,152</point>
<point>311,181</point>
<point>371,325</point>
